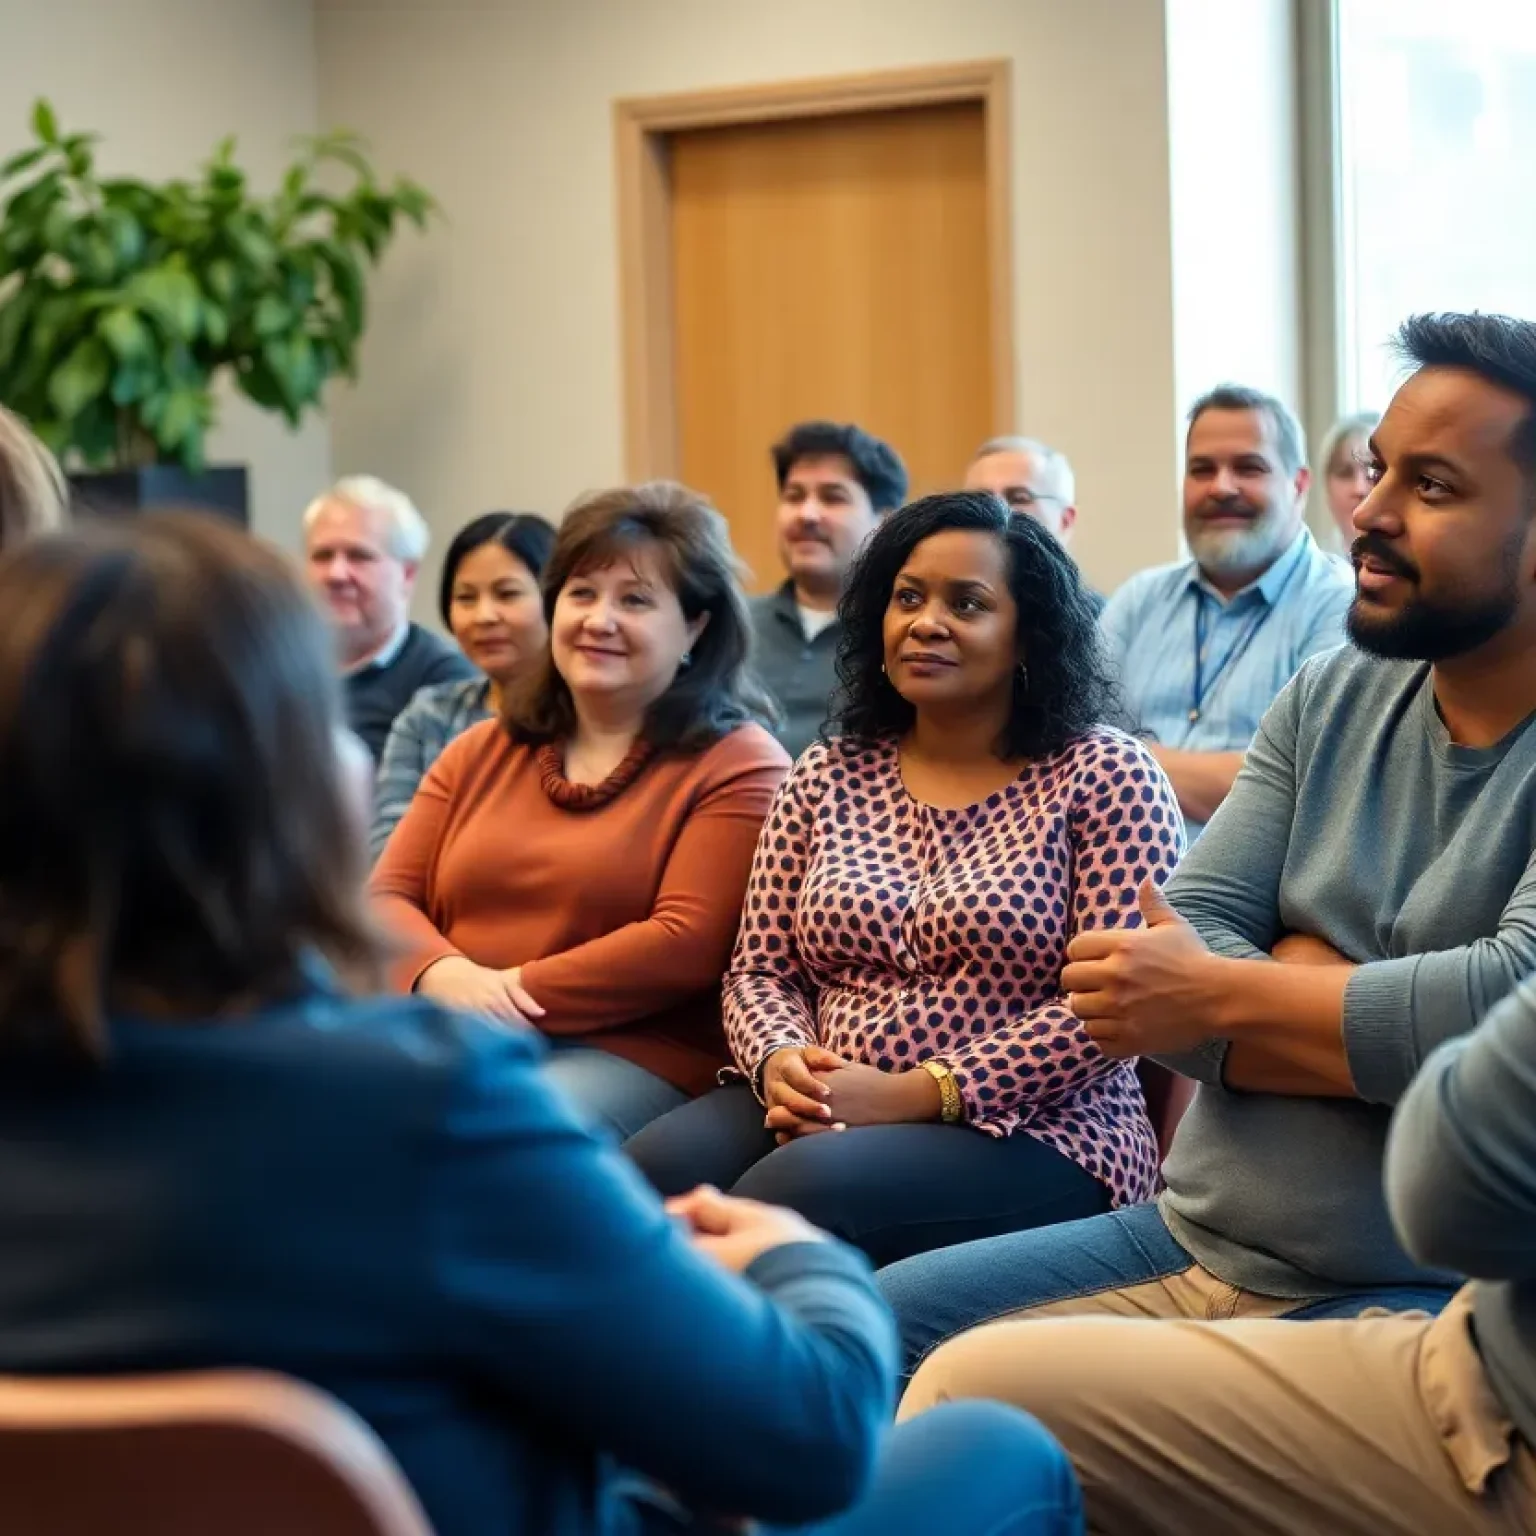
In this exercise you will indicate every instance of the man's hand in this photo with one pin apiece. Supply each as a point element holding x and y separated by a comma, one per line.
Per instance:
<point>1147,991</point>
<point>1307,949</point>
<point>734,1232</point>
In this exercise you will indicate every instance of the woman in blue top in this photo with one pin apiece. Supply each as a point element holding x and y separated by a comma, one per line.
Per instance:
<point>219,1147</point>
<point>490,603</point>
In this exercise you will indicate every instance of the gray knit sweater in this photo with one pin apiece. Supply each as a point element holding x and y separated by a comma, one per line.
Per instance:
<point>1355,819</point>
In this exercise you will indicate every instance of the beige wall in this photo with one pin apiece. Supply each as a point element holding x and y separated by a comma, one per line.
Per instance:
<point>491,371</point>
<point>163,81</point>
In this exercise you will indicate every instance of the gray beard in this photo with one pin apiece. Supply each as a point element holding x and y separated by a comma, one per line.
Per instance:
<point>1234,553</point>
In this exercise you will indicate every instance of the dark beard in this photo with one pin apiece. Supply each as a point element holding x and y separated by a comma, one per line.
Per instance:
<point>1424,631</point>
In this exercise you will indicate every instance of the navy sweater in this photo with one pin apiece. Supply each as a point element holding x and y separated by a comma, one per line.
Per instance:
<point>375,695</point>
<point>388,1200</point>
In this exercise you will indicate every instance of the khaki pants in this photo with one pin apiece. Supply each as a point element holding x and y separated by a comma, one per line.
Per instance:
<point>1382,1425</point>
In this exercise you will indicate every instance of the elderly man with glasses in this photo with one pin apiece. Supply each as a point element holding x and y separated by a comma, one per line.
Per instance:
<point>1032,479</point>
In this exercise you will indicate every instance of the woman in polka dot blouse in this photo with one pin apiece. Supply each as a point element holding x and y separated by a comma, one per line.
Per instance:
<point>908,1072</point>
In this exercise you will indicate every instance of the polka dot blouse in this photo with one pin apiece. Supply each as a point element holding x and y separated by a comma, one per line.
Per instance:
<point>893,932</point>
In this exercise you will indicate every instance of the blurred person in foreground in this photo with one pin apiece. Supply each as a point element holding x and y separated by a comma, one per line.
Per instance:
<point>220,1149</point>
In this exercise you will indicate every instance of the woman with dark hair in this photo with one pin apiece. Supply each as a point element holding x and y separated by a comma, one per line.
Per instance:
<point>580,865</point>
<point>216,1154</point>
<point>910,1071</point>
<point>490,603</point>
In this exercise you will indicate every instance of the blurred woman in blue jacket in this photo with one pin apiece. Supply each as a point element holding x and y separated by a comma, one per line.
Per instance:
<point>219,1148</point>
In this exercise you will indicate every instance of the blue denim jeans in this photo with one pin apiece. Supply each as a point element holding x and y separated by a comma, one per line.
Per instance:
<point>938,1295</point>
<point>963,1469</point>
<point>614,1095</point>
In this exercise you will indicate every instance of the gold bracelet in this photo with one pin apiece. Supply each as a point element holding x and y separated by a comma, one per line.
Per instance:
<point>951,1106</point>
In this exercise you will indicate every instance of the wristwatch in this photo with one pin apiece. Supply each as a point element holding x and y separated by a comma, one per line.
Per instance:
<point>951,1105</point>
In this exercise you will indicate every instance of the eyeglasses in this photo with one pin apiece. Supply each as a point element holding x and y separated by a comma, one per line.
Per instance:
<point>1021,498</point>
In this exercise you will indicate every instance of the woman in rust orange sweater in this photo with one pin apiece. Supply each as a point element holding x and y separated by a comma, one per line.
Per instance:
<point>579,866</point>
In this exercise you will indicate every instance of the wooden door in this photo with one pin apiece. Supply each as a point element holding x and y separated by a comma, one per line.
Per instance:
<point>837,267</point>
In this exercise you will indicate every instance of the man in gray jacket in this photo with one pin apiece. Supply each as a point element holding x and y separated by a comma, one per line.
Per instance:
<point>1367,892</point>
<point>835,483</point>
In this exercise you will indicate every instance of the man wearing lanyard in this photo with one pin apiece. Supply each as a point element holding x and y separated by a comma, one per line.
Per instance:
<point>1204,646</point>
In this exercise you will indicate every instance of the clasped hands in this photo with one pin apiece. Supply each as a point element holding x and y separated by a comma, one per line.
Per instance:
<point>808,1089</point>
<point>499,995</point>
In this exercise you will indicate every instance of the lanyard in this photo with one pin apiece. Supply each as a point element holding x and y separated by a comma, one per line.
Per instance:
<point>1234,653</point>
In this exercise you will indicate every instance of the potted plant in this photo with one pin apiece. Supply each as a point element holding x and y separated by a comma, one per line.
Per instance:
<point>124,303</point>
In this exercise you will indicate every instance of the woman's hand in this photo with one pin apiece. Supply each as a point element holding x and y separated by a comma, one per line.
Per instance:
<point>497,995</point>
<point>735,1232</point>
<point>521,1000</point>
<point>862,1095</point>
<point>796,1096</point>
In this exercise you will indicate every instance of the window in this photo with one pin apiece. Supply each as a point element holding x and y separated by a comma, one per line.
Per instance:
<point>1437,170</point>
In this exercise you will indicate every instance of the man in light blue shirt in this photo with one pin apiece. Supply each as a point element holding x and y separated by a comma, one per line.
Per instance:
<point>1205,645</point>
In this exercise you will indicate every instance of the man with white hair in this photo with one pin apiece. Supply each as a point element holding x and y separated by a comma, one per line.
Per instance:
<point>363,543</point>
<point>1032,479</point>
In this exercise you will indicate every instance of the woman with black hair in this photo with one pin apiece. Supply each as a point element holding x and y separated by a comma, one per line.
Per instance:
<point>910,1073</point>
<point>491,604</point>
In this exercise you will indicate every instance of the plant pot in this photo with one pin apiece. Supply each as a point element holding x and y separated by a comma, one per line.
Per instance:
<point>221,488</point>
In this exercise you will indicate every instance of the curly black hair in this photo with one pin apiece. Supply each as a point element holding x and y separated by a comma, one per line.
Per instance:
<point>1068,688</point>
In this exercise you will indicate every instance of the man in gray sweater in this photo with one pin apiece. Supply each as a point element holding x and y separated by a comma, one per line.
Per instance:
<point>1367,892</point>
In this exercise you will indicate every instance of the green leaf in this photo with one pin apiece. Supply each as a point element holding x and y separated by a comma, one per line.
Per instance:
<point>259,384</point>
<point>93,433</point>
<point>31,204</point>
<point>125,332</point>
<point>133,382</point>
<point>215,324</point>
<point>14,314</point>
<point>293,366</point>
<point>127,235</point>
<point>346,282</point>
<point>23,162</point>
<point>414,202</point>
<point>182,414</point>
<point>273,317</point>
<point>220,278</point>
<point>252,243</point>
<point>81,378</point>
<point>44,124</point>
<point>169,294</point>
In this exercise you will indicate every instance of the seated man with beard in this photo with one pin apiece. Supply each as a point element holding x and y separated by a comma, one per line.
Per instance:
<point>1204,646</point>
<point>1367,892</point>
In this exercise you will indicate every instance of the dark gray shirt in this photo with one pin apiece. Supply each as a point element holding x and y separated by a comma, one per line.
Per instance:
<point>799,673</point>
<point>1356,819</point>
<point>377,693</point>
<point>1461,1181</point>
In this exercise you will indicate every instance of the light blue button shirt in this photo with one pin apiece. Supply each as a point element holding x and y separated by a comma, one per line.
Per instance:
<point>1254,643</point>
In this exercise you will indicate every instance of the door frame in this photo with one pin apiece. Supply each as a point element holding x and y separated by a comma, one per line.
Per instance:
<point>642,125</point>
